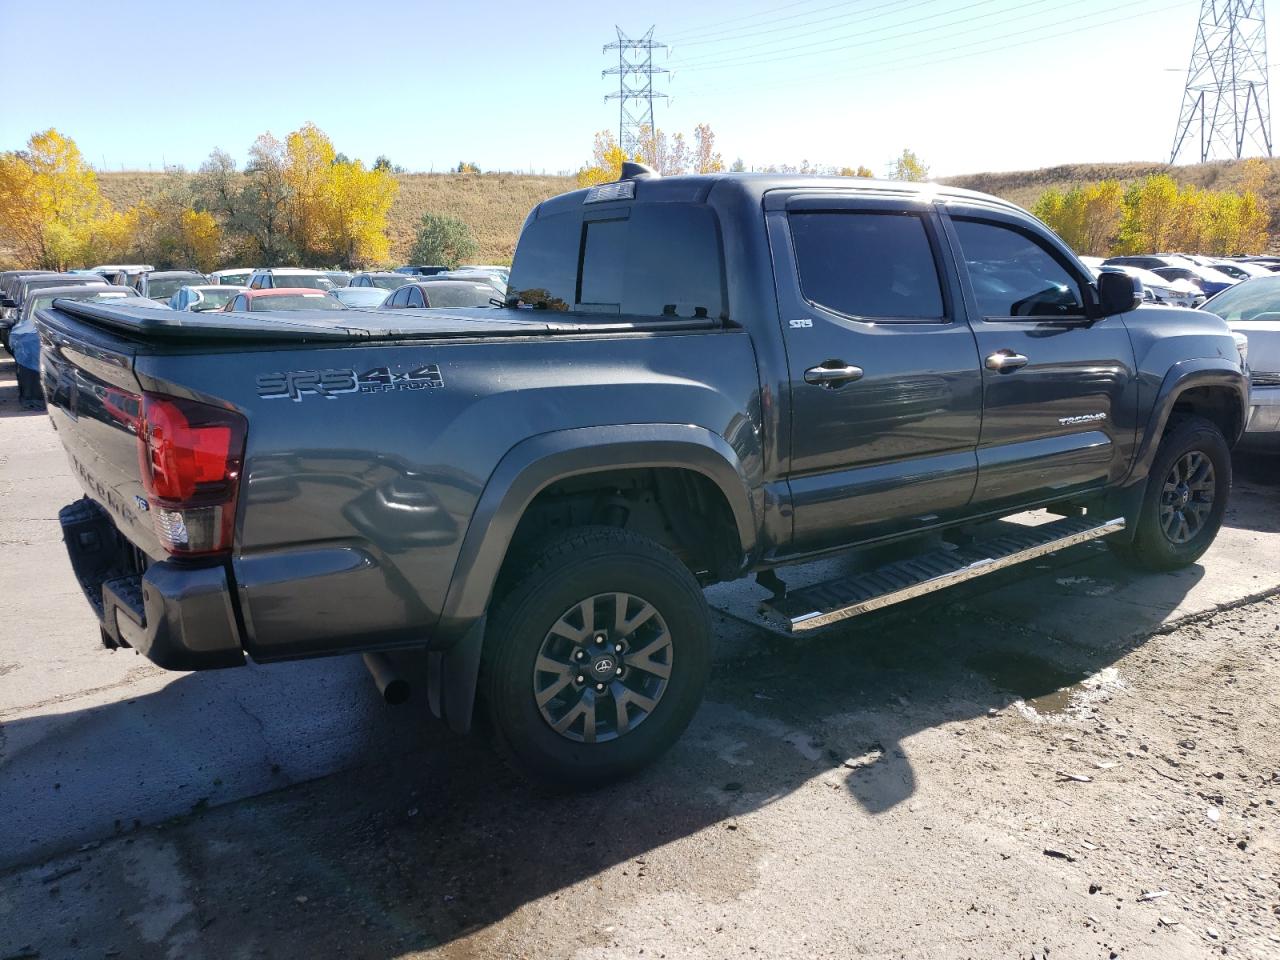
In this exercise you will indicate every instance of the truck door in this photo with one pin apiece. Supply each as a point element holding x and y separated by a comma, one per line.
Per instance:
<point>885,386</point>
<point>1059,388</point>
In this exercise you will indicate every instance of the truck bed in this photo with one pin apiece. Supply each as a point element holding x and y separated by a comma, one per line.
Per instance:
<point>152,323</point>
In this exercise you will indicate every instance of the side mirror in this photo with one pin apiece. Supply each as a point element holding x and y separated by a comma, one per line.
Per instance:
<point>1117,293</point>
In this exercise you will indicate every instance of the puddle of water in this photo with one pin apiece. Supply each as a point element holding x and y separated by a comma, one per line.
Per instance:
<point>1045,687</point>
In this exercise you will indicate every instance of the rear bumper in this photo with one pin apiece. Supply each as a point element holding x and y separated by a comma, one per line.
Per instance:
<point>179,616</point>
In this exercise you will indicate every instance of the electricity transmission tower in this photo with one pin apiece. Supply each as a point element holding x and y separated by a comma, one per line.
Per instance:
<point>1226,102</point>
<point>635,96</point>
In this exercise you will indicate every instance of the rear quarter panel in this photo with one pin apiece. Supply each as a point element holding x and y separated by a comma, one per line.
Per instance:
<point>353,507</point>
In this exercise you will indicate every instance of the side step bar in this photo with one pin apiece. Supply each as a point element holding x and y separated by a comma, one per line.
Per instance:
<point>827,603</point>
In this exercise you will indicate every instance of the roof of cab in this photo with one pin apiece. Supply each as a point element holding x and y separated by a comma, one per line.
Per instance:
<point>695,188</point>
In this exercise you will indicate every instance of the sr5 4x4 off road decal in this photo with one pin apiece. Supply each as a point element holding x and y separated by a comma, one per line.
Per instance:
<point>331,384</point>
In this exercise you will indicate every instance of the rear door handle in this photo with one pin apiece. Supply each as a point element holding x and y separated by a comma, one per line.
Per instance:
<point>832,373</point>
<point>1005,361</point>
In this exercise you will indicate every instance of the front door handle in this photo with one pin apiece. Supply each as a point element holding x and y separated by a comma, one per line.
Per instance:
<point>832,373</point>
<point>1005,361</point>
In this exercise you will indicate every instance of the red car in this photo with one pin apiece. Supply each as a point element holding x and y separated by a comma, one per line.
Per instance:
<point>282,298</point>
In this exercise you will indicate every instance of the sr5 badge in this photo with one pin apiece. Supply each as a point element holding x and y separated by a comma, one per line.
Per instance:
<point>331,384</point>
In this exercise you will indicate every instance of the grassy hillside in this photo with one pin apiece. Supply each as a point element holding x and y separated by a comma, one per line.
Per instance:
<point>1023,187</point>
<point>494,205</point>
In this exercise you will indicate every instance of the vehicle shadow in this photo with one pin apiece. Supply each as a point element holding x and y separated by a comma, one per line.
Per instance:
<point>430,840</point>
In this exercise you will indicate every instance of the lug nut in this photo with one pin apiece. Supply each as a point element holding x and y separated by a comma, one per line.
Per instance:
<point>599,638</point>
<point>618,672</point>
<point>582,679</point>
<point>580,654</point>
<point>617,648</point>
<point>600,687</point>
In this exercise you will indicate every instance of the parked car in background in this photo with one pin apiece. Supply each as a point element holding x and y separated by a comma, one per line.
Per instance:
<point>163,284</point>
<point>291,277</point>
<point>359,296</point>
<point>232,276</point>
<point>1270,263</point>
<point>1240,269</point>
<point>23,286</point>
<point>1209,280</point>
<point>122,274</point>
<point>421,270</point>
<point>339,278</point>
<point>475,276</point>
<point>204,297</point>
<point>499,271</point>
<point>384,280</point>
<point>1147,261</point>
<point>282,298</point>
<point>442,293</point>
<point>1175,293</point>
<point>1252,308</point>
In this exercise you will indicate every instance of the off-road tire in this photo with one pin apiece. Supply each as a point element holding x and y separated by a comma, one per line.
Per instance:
<point>1152,548</point>
<point>567,570</point>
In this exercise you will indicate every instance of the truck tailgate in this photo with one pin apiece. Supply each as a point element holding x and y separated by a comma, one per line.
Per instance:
<point>94,401</point>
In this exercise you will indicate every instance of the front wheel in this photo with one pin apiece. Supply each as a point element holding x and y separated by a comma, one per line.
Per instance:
<point>1185,499</point>
<point>596,658</point>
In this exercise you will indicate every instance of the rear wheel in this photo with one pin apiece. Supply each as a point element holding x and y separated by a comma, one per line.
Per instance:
<point>1185,500</point>
<point>596,658</point>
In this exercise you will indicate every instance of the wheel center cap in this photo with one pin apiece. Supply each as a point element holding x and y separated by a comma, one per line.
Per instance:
<point>603,666</point>
<point>1184,495</point>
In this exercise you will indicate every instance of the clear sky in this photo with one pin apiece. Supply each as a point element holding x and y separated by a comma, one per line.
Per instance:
<point>508,84</point>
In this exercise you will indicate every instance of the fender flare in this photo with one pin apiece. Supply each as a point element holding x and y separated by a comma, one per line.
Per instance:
<point>533,464</point>
<point>1183,376</point>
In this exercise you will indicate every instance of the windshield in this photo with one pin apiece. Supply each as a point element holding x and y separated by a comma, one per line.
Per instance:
<point>214,299</point>
<point>163,289</point>
<point>45,300</point>
<point>339,278</point>
<point>391,283</point>
<point>235,279</point>
<point>294,301</point>
<point>360,296</point>
<point>312,281</point>
<point>1251,300</point>
<point>459,294</point>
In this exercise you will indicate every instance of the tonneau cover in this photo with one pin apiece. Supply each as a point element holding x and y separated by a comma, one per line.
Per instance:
<point>329,325</point>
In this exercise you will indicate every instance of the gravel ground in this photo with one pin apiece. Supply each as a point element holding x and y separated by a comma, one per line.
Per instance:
<point>933,786</point>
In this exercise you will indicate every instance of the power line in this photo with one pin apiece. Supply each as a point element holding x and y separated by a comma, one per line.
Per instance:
<point>929,57</point>
<point>771,12</point>
<point>737,58</point>
<point>1226,100</point>
<point>797,21</point>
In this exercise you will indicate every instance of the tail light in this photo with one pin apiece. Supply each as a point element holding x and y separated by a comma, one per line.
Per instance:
<point>191,455</point>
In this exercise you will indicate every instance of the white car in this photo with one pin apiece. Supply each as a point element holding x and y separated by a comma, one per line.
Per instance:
<point>293,277</point>
<point>1252,308</point>
<point>232,276</point>
<point>1240,269</point>
<point>1175,293</point>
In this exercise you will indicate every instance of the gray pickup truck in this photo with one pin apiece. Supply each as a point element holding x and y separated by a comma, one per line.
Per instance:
<point>695,379</point>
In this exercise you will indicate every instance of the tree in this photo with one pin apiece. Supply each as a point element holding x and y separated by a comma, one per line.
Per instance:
<point>607,159</point>
<point>705,157</point>
<point>464,167</point>
<point>356,211</point>
<point>382,163</point>
<point>263,214</point>
<point>1086,218</point>
<point>443,240</point>
<point>1150,221</point>
<point>49,201</point>
<point>738,166</point>
<point>308,172</point>
<point>908,166</point>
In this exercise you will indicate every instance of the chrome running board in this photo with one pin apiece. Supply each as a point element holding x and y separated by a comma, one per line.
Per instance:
<point>827,603</point>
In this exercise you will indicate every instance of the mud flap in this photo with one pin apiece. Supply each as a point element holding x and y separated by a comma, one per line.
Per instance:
<point>452,675</point>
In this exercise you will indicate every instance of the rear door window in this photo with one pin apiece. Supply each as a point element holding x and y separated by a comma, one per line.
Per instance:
<point>867,264</point>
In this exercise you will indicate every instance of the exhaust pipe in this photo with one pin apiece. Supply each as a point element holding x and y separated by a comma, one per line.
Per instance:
<point>393,687</point>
